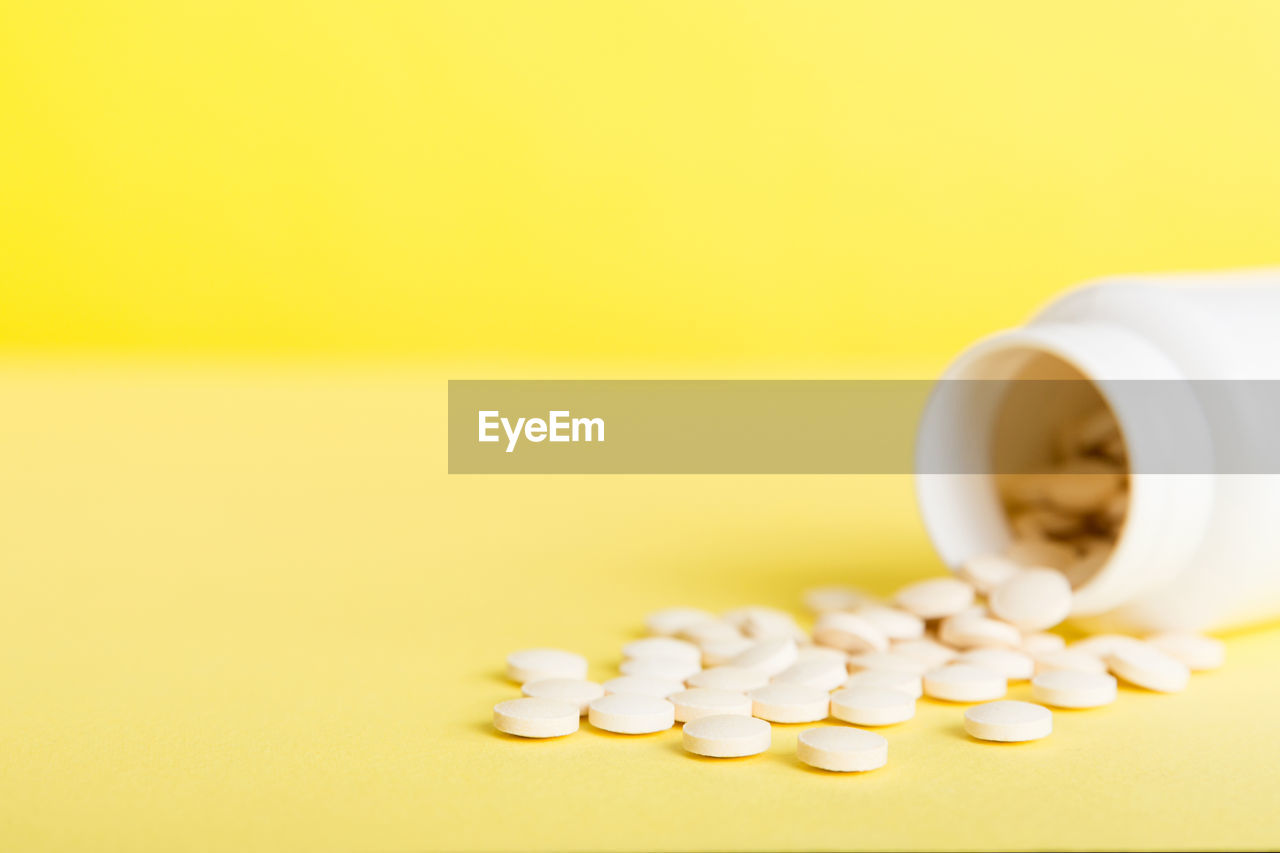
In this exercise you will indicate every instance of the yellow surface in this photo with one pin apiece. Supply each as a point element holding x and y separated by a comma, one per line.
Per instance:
<point>708,180</point>
<point>246,609</point>
<point>243,607</point>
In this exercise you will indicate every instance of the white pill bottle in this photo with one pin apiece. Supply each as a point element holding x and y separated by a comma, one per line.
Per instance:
<point>1199,544</point>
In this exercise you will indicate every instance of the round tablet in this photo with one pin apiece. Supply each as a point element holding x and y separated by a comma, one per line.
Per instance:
<point>631,714</point>
<point>1084,485</point>
<point>530,717</point>
<point>1042,643</point>
<point>849,632</point>
<point>842,749</point>
<point>575,691</point>
<point>720,652</point>
<point>1064,688</point>
<point>891,679</point>
<point>1146,666</point>
<point>893,622</point>
<point>1069,659</point>
<point>1198,652</point>
<point>537,664</point>
<point>824,598</point>
<point>969,630</point>
<point>668,648</point>
<point>671,669</point>
<point>641,685</point>
<point>1033,599</point>
<point>1008,721</point>
<point>959,682</point>
<point>935,598</point>
<point>872,706</point>
<point>673,620</point>
<point>988,571</point>
<point>735,678</point>
<point>727,736</point>
<point>931,653</point>
<point>770,656</point>
<point>822,674</point>
<point>790,703</point>
<point>894,660</point>
<point>1013,665</point>
<point>1046,523</point>
<point>708,702</point>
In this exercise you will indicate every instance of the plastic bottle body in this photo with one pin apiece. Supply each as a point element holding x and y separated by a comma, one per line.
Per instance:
<point>1197,550</point>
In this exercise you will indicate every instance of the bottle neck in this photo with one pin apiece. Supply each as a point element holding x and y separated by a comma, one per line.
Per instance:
<point>1167,512</point>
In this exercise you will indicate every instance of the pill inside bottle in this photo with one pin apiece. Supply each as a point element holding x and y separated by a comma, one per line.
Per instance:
<point>1057,488</point>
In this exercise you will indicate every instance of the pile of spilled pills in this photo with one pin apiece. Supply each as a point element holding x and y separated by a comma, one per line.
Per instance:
<point>728,678</point>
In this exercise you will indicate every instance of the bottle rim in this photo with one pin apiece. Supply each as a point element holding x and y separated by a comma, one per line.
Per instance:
<point>1167,513</point>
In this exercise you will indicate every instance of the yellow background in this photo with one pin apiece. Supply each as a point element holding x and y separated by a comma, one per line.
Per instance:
<point>243,245</point>
<point>601,179</point>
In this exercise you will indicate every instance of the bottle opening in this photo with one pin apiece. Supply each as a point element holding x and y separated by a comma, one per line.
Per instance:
<point>1061,468</point>
<point>1051,474</point>
<point>1064,451</point>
